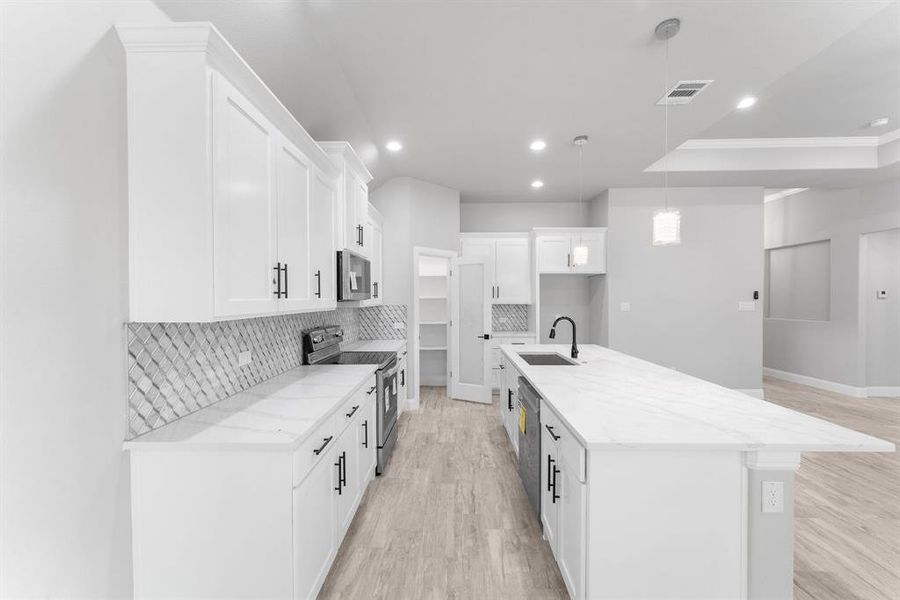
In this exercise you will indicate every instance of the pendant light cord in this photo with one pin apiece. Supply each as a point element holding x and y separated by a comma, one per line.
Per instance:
<point>666,153</point>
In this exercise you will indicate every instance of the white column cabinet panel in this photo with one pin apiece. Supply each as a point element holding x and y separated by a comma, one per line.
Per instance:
<point>321,241</point>
<point>294,172</point>
<point>314,527</point>
<point>549,502</point>
<point>243,206</point>
<point>571,528</point>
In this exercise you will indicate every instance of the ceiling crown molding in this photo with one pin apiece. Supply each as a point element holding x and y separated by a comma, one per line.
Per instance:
<point>763,143</point>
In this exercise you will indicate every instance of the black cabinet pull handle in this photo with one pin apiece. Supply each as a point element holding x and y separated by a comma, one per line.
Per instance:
<point>403,377</point>
<point>344,471</point>
<point>340,483</point>
<point>553,435</point>
<point>326,441</point>
<point>285,268</point>
<point>498,292</point>
<point>318,283</point>
<point>550,462</point>
<point>376,289</point>
<point>372,389</point>
<point>352,412</point>
<point>555,495</point>
<point>362,235</point>
<point>366,434</point>
<point>509,399</point>
<point>277,279</point>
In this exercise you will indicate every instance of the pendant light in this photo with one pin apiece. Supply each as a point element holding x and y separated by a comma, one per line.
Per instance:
<point>580,252</point>
<point>666,221</point>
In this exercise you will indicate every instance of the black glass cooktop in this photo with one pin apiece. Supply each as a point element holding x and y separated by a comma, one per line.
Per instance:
<point>360,358</point>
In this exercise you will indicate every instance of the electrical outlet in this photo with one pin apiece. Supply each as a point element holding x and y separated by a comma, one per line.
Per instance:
<point>773,496</point>
<point>881,294</point>
<point>245,358</point>
<point>399,326</point>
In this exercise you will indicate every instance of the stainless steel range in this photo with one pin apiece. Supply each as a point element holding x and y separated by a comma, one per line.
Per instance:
<point>322,346</point>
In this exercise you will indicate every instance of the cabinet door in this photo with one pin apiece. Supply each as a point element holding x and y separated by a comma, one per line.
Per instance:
<point>549,501</point>
<point>368,443</point>
<point>314,527</point>
<point>570,529</point>
<point>244,251</point>
<point>347,461</point>
<point>478,248</point>
<point>513,271</point>
<point>294,172</point>
<point>596,244</point>
<point>362,217</point>
<point>352,237</point>
<point>322,254</point>
<point>554,253</point>
<point>375,252</point>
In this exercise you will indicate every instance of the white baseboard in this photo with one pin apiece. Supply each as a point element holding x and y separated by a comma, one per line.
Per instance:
<point>883,391</point>
<point>756,393</point>
<point>412,403</point>
<point>823,384</point>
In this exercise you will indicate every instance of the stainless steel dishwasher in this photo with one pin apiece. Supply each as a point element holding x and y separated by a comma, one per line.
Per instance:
<point>530,444</point>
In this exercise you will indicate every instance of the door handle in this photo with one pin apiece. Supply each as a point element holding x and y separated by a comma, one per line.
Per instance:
<point>403,377</point>
<point>277,279</point>
<point>556,496</point>
<point>550,462</point>
<point>366,433</point>
<point>509,398</point>
<point>285,267</point>
<point>344,472</point>
<point>318,277</point>
<point>340,486</point>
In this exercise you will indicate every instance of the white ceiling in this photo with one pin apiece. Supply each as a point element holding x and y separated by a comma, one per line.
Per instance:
<point>466,85</point>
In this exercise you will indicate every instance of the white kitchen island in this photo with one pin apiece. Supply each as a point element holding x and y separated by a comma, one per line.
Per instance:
<point>656,484</point>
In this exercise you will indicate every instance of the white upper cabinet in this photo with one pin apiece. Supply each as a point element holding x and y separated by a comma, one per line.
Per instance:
<point>244,223</point>
<point>353,198</point>
<point>510,256</point>
<point>375,233</point>
<point>555,249</point>
<point>223,221</point>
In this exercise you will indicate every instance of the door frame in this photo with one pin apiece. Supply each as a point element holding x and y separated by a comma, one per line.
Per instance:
<point>412,336</point>
<point>485,394</point>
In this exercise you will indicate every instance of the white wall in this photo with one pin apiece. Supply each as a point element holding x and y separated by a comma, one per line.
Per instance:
<point>882,316</point>
<point>521,216</point>
<point>684,298</point>
<point>64,492</point>
<point>829,350</point>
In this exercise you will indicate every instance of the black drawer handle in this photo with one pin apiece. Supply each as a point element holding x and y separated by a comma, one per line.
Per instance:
<point>555,495</point>
<point>340,482</point>
<point>366,436</point>
<point>369,393</point>
<point>553,435</point>
<point>550,462</point>
<point>327,441</point>
<point>344,471</point>
<point>353,412</point>
<point>403,377</point>
<point>509,398</point>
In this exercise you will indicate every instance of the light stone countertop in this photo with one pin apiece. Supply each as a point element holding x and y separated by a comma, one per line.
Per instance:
<point>278,413</point>
<point>615,401</point>
<point>375,346</point>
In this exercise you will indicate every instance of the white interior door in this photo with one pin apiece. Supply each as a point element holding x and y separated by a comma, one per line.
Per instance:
<point>471,280</point>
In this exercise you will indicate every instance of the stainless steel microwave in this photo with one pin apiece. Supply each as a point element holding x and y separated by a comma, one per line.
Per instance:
<point>354,276</point>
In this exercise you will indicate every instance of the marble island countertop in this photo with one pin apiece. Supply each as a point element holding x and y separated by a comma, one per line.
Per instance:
<point>280,412</point>
<point>612,400</point>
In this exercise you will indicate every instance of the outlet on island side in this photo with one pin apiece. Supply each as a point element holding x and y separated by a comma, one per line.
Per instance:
<point>245,358</point>
<point>773,496</point>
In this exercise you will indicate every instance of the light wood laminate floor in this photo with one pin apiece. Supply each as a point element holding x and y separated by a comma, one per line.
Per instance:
<point>450,518</point>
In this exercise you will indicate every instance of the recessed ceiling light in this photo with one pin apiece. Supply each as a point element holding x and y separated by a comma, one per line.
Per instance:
<point>878,122</point>
<point>537,183</point>
<point>538,145</point>
<point>394,146</point>
<point>746,102</point>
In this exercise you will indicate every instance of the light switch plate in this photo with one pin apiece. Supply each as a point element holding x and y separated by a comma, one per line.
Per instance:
<point>747,306</point>
<point>245,358</point>
<point>625,306</point>
<point>881,294</point>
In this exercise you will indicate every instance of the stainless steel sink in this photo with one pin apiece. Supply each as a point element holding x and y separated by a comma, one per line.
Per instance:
<point>548,359</point>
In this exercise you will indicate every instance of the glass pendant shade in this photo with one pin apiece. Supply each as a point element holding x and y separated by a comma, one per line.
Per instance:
<point>666,227</point>
<point>580,255</point>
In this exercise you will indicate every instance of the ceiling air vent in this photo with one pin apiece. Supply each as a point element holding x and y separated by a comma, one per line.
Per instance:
<point>684,91</point>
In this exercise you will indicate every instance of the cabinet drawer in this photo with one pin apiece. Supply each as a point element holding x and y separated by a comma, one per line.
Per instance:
<point>354,405</point>
<point>567,445</point>
<point>312,449</point>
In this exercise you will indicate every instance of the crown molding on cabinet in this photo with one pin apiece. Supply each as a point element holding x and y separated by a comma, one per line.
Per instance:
<point>203,37</point>
<point>351,158</point>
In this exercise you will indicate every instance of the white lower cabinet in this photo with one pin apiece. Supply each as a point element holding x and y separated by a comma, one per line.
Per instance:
<point>403,375</point>
<point>239,522</point>
<point>314,517</point>
<point>563,497</point>
<point>509,402</point>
